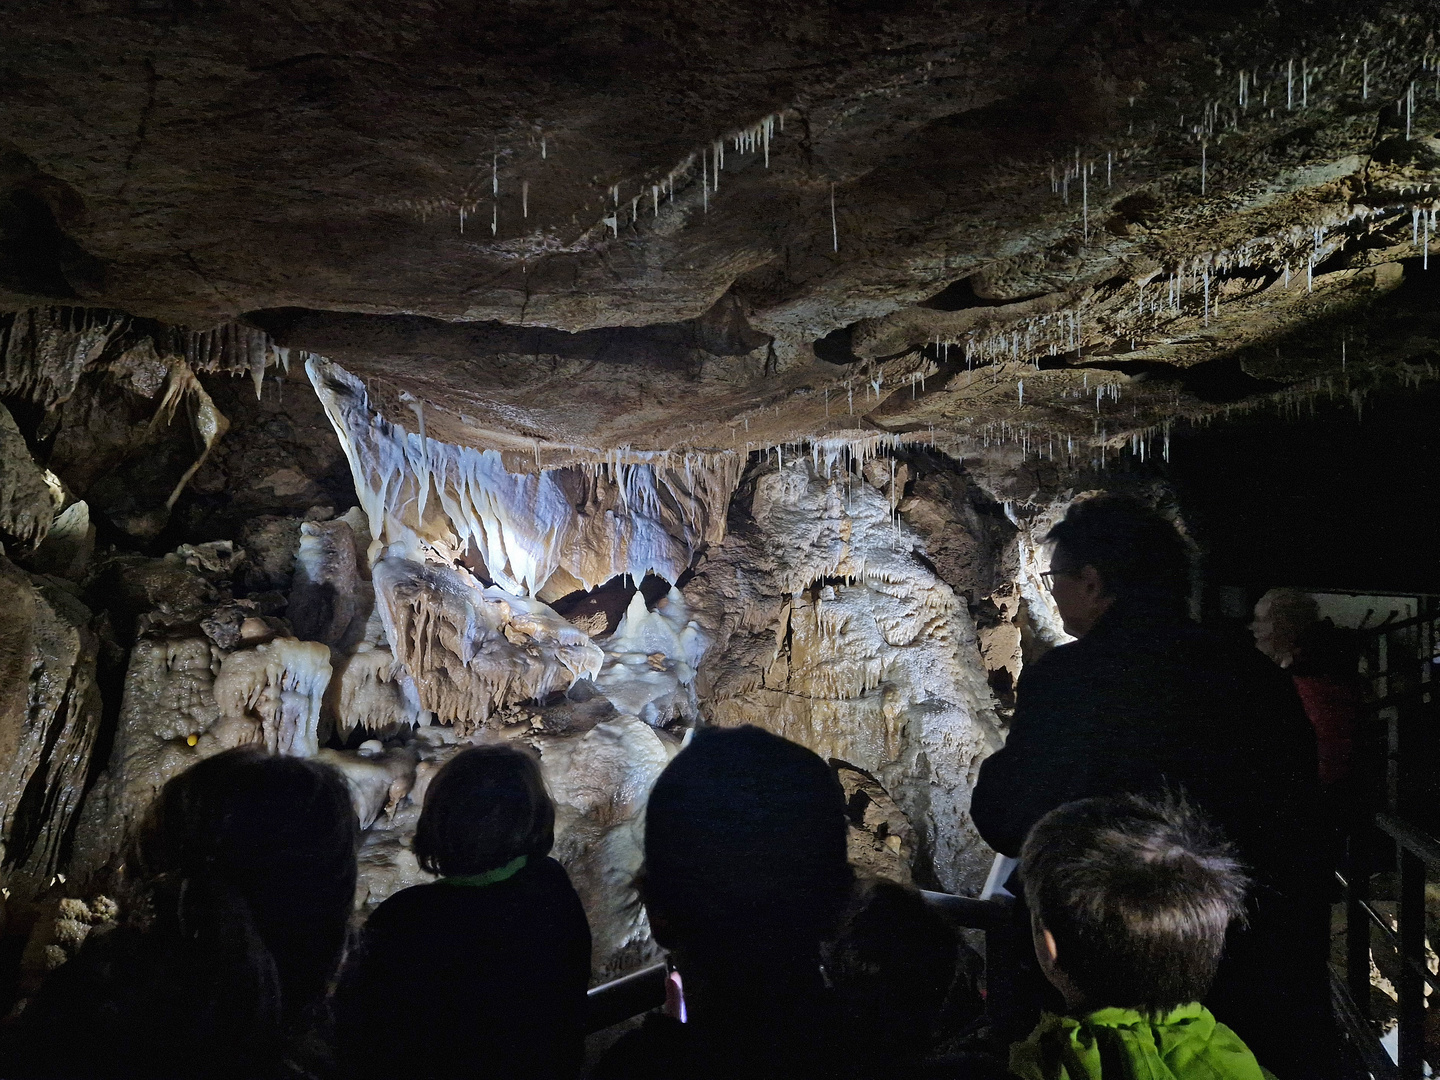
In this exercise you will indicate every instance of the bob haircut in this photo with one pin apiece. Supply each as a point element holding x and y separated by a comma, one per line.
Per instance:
<point>1138,894</point>
<point>1136,551</point>
<point>486,806</point>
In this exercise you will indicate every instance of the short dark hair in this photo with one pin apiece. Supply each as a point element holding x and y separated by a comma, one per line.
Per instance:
<point>893,966</point>
<point>1138,894</point>
<point>486,806</point>
<point>1135,550</point>
<point>745,846</point>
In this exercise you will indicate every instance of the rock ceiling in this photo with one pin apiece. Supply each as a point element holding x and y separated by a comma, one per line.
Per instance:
<point>579,226</point>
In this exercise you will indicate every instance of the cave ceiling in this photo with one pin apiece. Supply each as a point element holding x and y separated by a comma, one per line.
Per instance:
<point>580,226</point>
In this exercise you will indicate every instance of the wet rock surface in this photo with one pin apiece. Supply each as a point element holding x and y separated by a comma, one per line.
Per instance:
<point>736,229</point>
<point>49,721</point>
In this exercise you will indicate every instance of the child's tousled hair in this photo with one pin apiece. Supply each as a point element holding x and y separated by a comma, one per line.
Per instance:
<point>1138,894</point>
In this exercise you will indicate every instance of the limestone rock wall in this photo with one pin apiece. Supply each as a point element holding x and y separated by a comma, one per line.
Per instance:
<point>830,628</point>
<point>27,505</point>
<point>49,720</point>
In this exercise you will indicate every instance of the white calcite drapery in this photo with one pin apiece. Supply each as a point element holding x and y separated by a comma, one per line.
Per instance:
<point>570,527</point>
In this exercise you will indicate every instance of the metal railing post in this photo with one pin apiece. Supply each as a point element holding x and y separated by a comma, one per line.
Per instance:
<point>1357,926</point>
<point>1411,988</point>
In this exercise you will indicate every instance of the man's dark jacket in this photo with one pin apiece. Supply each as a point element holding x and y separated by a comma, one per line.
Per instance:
<point>1149,700</point>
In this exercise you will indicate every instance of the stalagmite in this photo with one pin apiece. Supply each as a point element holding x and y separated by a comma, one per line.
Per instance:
<point>651,660</point>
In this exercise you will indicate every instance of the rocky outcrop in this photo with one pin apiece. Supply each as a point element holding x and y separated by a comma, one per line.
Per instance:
<point>49,721</point>
<point>27,503</point>
<point>326,590</point>
<point>829,630</point>
<point>167,722</point>
<point>880,840</point>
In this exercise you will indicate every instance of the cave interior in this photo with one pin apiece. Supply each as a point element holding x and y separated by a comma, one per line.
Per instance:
<point>373,384</point>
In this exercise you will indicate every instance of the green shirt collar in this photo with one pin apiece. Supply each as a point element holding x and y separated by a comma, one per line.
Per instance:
<point>489,877</point>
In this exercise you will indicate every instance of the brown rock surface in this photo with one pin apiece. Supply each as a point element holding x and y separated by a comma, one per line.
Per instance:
<point>49,720</point>
<point>27,505</point>
<point>517,221</point>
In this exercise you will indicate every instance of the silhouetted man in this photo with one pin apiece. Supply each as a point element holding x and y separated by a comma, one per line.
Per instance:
<point>1146,700</point>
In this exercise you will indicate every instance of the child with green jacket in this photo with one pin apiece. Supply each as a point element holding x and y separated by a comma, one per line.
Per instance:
<point>1130,901</point>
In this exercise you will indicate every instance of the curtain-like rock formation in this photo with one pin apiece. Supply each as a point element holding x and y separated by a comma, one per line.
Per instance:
<point>471,650</point>
<point>544,533</point>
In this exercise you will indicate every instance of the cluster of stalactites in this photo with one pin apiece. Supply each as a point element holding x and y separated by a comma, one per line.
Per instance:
<point>280,684</point>
<point>471,650</point>
<point>603,514</point>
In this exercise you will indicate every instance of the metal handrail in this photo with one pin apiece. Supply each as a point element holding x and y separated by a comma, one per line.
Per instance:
<point>630,995</point>
<point>1414,840</point>
<point>1393,939</point>
<point>1418,856</point>
<point>641,991</point>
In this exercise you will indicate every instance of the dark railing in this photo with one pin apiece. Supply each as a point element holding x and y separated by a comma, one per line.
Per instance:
<point>1399,661</point>
<point>641,991</point>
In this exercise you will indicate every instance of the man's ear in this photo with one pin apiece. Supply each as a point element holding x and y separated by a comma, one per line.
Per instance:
<point>1091,581</point>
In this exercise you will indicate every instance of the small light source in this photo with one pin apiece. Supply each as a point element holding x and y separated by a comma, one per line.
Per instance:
<point>191,739</point>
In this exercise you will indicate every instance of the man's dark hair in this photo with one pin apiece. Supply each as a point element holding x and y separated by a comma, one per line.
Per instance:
<point>1138,894</point>
<point>486,806</point>
<point>745,846</point>
<point>1136,551</point>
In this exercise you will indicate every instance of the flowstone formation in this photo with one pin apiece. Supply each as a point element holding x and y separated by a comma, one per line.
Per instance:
<point>333,583</point>
<point>830,628</point>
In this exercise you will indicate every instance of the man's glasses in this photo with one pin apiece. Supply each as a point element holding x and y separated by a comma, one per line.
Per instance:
<point>1047,578</point>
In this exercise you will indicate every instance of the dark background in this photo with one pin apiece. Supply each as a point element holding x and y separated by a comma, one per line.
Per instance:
<point>1326,500</point>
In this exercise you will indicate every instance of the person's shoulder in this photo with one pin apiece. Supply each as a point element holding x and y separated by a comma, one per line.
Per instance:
<point>404,906</point>
<point>1059,660</point>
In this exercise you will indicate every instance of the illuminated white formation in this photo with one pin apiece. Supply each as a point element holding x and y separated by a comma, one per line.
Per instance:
<point>600,782</point>
<point>573,527</point>
<point>280,684</point>
<point>651,659</point>
<point>471,650</point>
<point>374,692</point>
<point>378,779</point>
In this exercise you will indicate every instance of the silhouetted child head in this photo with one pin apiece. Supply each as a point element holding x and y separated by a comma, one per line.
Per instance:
<point>266,841</point>
<point>1130,901</point>
<point>486,807</point>
<point>893,966</point>
<point>745,848</point>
